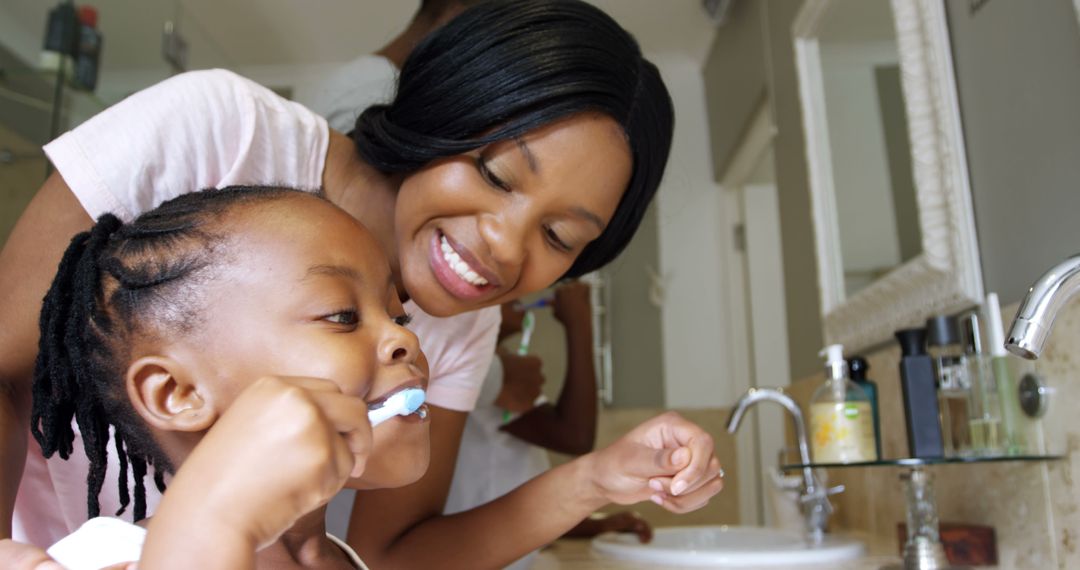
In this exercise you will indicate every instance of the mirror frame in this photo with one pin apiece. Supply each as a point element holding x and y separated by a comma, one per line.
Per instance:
<point>947,276</point>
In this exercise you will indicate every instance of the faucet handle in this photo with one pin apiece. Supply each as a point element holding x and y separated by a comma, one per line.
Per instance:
<point>821,495</point>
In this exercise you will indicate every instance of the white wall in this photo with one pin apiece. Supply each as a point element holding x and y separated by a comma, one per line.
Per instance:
<point>690,234</point>
<point>869,239</point>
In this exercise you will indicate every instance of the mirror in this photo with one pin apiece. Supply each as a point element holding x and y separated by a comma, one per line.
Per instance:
<point>895,233</point>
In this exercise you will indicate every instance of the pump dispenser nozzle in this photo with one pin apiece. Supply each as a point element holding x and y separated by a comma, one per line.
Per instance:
<point>835,365</point>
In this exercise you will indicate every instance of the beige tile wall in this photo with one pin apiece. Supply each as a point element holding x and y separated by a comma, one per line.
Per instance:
<point>1035,508</point>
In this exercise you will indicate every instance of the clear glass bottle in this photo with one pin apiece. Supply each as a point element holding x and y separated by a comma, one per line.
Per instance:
<point>841,416</point>
<point>1013,437</point>
<point>954,385</point>
<point>984,408</point>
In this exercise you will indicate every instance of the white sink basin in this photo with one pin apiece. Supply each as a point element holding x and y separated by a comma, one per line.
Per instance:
<point>727,546</point>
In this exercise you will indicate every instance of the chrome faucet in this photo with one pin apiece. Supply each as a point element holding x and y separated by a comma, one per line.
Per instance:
<point>814,499</point>
<point>1033,320</point>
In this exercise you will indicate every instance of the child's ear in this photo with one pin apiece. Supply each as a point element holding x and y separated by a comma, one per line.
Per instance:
<point>162,392</point>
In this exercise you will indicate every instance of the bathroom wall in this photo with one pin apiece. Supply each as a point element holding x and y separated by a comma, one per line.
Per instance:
<point>752,56</point>
<point>1018,74</point>
<point>1033,507</point>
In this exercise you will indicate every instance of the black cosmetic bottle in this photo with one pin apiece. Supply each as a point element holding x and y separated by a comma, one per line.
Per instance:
<point>920,395</point>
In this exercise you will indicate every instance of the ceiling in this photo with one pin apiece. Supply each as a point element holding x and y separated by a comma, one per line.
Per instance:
<point>238,33</point>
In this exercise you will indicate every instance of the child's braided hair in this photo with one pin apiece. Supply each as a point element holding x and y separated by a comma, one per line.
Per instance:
<point>116,282</point>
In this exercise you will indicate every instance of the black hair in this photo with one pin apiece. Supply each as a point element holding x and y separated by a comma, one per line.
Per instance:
<point>506,67</point>
<point>435,8</point>
<point>114,282</point>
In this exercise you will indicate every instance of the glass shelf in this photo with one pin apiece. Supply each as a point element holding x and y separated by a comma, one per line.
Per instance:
<point>917,462</point>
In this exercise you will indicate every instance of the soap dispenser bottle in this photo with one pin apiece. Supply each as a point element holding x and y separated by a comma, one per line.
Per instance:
<point>841,417</point>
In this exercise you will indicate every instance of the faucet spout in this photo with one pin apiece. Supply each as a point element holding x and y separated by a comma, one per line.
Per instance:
<point>1040,306</point>
<point>814,501</point>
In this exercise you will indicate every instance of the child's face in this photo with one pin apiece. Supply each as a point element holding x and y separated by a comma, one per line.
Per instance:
<point>306,291</point>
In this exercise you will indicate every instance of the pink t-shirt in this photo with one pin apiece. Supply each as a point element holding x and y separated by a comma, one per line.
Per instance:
<point>210,129</point>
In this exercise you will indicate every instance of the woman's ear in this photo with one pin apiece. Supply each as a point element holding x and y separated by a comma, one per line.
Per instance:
<point>162,392</point>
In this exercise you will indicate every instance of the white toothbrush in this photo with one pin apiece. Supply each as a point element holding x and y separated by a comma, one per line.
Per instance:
<point>403,403</point>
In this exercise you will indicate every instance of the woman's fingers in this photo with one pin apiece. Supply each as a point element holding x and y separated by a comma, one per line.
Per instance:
<point>666,484</point>
<point>701,449</point>
<point>690,501</point>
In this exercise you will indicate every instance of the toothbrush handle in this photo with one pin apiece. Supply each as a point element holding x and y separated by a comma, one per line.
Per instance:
<point>380,415</point>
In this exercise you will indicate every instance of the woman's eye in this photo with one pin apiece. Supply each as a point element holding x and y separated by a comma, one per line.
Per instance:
<point>403,320</point>
<point>556,240</point>
<point>489,176</point>
<point>346,317</point>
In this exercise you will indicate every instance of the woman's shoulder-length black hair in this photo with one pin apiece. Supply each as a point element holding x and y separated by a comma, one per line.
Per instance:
<point>506,67</point>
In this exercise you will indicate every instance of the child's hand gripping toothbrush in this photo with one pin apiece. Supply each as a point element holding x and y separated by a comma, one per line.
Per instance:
<point>402,403</point>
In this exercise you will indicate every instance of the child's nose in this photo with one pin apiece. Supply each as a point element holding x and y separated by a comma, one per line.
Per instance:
<point>399,345</point>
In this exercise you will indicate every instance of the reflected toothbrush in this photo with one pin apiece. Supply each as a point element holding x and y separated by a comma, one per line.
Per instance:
<point>403,403</point>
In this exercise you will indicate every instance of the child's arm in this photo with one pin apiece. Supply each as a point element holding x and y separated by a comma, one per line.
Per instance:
<point>402,528</point>
<point>253,476</point>
<point>568,426</point>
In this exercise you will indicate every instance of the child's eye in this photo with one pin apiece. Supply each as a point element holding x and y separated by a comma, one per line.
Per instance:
<point>403,320</point>
<point>346,317</point>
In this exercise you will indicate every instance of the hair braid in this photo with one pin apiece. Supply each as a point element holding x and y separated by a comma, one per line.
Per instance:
<point>114,282</point>
<point>121,455</point>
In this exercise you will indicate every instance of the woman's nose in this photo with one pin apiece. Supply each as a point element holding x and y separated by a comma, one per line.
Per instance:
<point>504,233</point>
<point>398,346</point>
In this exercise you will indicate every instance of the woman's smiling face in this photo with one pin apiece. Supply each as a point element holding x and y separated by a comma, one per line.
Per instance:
<point>510,218</point>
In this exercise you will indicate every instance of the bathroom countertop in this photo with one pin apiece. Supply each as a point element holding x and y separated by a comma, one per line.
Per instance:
<point>568,554</point>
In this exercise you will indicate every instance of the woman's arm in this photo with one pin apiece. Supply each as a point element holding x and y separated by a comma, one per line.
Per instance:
<point>27,266</point>
<point>568,426</point>
<point>402,528</point>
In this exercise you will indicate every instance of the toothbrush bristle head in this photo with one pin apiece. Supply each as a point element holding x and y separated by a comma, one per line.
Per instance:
<point>414,398</point>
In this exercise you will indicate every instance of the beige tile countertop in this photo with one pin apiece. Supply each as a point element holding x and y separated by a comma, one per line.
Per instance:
<point>569,554</point>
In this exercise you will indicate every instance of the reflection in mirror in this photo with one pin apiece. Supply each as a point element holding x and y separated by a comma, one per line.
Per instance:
<point>894,231</point>
<point>867,133</point>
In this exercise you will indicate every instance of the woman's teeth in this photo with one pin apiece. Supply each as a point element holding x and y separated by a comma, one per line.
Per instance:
<point>459,266</point>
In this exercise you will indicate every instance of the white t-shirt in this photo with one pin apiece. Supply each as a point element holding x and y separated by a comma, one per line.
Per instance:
<point>491,462</point>
<point>209,129</point>
<point>107,541</point>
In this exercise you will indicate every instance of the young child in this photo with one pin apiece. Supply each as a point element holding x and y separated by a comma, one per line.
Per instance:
<point>239,336</point>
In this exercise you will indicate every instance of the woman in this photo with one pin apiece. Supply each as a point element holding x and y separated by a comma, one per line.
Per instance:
<point>524,143</point>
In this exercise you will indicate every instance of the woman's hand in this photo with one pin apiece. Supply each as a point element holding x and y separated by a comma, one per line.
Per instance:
<point>281,450</point>
<point>667,460</point>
